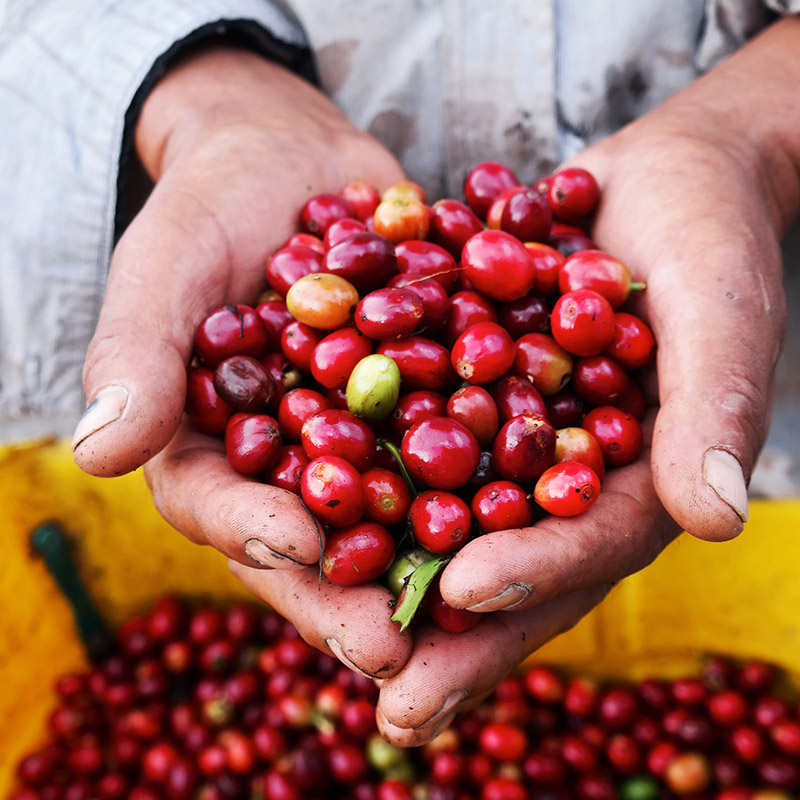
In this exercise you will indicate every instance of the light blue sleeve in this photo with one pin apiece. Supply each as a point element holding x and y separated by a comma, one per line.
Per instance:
<point>68,72</point>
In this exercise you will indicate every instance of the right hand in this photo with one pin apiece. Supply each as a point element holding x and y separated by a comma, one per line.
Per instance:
<point>235,145</point>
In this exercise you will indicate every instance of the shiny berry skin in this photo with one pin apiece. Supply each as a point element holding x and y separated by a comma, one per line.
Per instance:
<point>423,259</point>
<point>577,444</point>
<point>244,383</point>
<point>387,496</point>
<point>416,406</point>
<point>366,260</point>
<point>423,363</point>
<point>483,353</point>
<point>597,270</point>
<point>306,240</point>
<point>543,685</point>
<point>475,409</point>
<point>524,448</point>
<point>503,742</point>
<point>289,265</point>
<point>580,697</point>
<point>208,412</point>
<point>297,406</point>
<point>230,331</point>
<point>322,301</point>
<point>331,488</point>
<point>687,773</point>
<point>321,211</point>
<point>441,452</point>
<point>298,342</point>
<point>541,360</point>
<point>567,489</point>
<point>357,554</point>
<point>252,443</point>
<point>276,317</point>
<point>529,314</point>
<point>633,344</point>
<point>582,322</point>
<point>440,521</point>
<point>785,734</point>
<point>578,754</point>
<point>334,432</point>
<point>389,313</point>
<point>466,309</point>
<point>435,302</point>
<point>573,193</point>
<point>515,396</point>
<point>618,707</point>
<point>548,262</point>
<point>484,183</point>
<point>756,677</point>
<point>494,215</point>
<point>564,409</point>
<point>618,434</point>
<point>527,216</point>
<point>362,197</point>
<point>452,224</point>
<point>341,230</point>
<point>401,219</point>
<point>501,505</point>
<point>404,189</point>
<point>336,355</point>
<point>499,265</point>
<point>568,243</point>
<point>599,380</point>
<point>452,620</point>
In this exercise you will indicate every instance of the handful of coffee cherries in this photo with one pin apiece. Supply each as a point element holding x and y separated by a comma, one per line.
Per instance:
<point>422,375</point>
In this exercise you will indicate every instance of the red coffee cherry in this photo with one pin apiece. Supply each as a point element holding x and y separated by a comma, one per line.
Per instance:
<point>440,521</point>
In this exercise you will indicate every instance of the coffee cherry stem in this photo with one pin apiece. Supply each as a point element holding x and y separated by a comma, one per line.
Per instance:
<point>52,544</point>
<point>637,286</point>
<point>393,449</point>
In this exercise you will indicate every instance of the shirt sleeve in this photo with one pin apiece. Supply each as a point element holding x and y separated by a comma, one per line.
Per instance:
<point>69,75</point>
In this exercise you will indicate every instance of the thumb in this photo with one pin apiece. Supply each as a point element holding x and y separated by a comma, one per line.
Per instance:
<point>718,344</point>
<point>168,270</point>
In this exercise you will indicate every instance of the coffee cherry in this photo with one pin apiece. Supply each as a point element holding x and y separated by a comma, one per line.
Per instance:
<point>524,448</point>
<point>230,331</point>
<point>573,193</point>
<point>331,488</point>
<point>373,387</point>
<point>357,554</point>
<point>483,353</point>
<point>290,264</point>
<point>499,265</point>
<point>582,322</point>
<point>440,521</point>
<point>440,452</point>
<point>501,505</point>
<point>567,489</point>
<point>244,383</point>
<point>322,301</point>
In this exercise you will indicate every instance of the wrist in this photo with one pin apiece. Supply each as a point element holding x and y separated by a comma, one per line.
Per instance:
<point>220,88</point>
<point>748,105</point>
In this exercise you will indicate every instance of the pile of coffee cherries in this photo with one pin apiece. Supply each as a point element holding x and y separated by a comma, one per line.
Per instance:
<point>427,374</point>
<point>206,703</point>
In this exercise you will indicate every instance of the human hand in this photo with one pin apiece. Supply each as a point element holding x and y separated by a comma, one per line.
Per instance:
<point>695,203</point>
<point>235,145</point>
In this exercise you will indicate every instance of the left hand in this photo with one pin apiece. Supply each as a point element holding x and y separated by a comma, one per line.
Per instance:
<point>696,196</point>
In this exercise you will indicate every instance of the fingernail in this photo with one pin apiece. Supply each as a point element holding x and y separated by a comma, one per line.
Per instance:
<point>447,709</point>
<point>511,596</point>
<point>104,409</point>
<point>723,473</point>
<point>264,555</point>
<point>444,723</point>
<point>338,651</point>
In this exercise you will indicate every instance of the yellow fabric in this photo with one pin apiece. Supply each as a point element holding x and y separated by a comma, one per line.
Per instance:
<point>740,598</point>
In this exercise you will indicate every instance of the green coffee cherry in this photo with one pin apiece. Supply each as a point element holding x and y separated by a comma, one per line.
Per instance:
<point>639,787</point>
<point>373,388</point>
<point>403,567</point>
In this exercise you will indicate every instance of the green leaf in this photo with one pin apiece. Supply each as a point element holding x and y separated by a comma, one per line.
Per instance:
<point>415,589</point>
<point>393,449</point>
